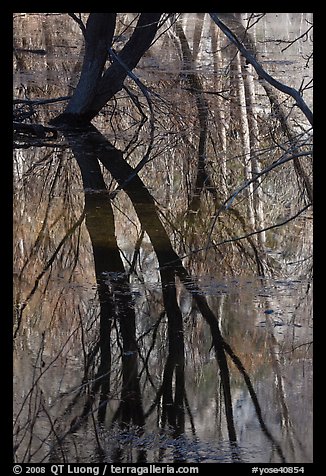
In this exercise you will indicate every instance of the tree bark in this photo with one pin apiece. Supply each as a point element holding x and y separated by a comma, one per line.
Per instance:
<point>244,136</point>
<point>113,78</point>
<point>94,88</point>
<point>98,39</point>
<point>254,148</point>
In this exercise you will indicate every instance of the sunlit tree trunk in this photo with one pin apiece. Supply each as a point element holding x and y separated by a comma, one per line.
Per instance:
<point>254,150</point>
<point>244,136</point>
<point>216,44</point>
<point>198,30</point>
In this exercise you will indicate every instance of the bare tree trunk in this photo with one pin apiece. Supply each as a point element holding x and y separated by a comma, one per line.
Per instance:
<point>139,42</point>
<point>199,22</point>
<point>98,39</point>
<point>254,147</point>
<point>94,88</point>
<point>244,136</point>
<point>203,178</point>
<point>216,44</point>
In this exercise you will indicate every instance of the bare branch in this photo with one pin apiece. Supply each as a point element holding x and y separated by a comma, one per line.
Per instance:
<point>41,101</point>
<point>275,164</point>
<point>260,70</point>
<point>79,22</point>
<point>276,225</point>
<point>305,34</point>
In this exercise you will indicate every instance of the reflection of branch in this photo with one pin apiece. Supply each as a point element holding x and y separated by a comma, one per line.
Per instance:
<point>41,375</point>
<point>254,398</point>
<point>290,43</point>
<point>145,360</point>
<point>74,426</point>
<point>213,245</point>
<point>46,267</point>
<point>41,101</point>
<point>52,429</point>
<point>227,203</point>
<point>136,254</point>
<point>297,347</point>
<point>261,72</point>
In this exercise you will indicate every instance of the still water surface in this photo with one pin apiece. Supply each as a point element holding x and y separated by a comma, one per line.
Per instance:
<point>62,339</point>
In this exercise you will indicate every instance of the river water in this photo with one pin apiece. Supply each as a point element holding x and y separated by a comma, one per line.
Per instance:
<point>92,294</point>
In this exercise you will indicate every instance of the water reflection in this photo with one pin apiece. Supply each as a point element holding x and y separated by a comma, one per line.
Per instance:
<point>117,298</point>
<point>131,344</point>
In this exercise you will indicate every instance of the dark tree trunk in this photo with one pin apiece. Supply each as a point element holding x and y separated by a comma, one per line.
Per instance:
<point>95,88</point>
<point>98,39</point>
<point>131,53</point>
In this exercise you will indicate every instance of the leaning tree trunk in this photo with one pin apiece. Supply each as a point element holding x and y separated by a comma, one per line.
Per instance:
<point>98,39</point>
<point>96,87</point>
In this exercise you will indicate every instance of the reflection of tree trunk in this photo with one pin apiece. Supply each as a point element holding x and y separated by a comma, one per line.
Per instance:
<point>144,204</point>
<point>173,406</point>
<point>96,216</point>
<point>274,350</point>
<point>114,293</point>
<point>254,399</point>
<point>94,144</point>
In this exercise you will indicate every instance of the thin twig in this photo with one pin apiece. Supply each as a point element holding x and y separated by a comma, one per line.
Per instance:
<point>145,91</point>
<point>276,225</point>
<point>41,101</point>
<point>296,39</point>
<point>79,23</point>
<point>227,203</point>
<point>45,268</point>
